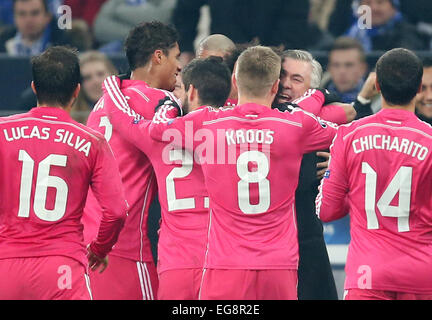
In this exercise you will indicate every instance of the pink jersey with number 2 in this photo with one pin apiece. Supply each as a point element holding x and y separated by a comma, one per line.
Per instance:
<point>182,193</point>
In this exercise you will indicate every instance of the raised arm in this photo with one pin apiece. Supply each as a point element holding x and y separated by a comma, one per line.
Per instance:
<point>339,113</point>
<point>130,125</point>
<point>166,126</point>
<point>322,104</point>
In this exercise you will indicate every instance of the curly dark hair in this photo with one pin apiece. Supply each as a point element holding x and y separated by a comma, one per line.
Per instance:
<point>147,37</point>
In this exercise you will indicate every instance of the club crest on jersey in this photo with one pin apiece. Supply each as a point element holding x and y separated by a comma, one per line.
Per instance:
<point>327,174</point>
<point>323,124</point>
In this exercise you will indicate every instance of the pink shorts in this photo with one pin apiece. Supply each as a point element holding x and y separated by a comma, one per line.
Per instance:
<point>180,284</point>
<point>366,294</point>
<point>125,279</point>
<point>43,278</point>
<point>249,285</point>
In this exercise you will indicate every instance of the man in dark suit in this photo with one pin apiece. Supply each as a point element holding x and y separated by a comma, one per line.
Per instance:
<point>300,72</point>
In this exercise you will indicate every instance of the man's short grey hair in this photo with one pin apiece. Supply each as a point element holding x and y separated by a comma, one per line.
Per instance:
<point>301,55</point>
<point>217,43</point>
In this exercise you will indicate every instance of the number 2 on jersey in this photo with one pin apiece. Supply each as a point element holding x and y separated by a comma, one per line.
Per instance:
<point>43,181</point>
<point>179,173</point>
<point>401,183</point>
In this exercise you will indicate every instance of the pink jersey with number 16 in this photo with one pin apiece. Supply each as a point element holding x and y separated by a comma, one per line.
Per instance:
<point>48,161</point>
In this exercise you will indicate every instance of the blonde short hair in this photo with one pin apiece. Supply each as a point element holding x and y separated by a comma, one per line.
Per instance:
<point>258,68</point>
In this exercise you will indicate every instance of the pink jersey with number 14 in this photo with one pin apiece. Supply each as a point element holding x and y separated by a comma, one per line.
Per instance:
<point>383,165</point>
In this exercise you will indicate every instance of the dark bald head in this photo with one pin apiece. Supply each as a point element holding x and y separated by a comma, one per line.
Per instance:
<point>215,45</point>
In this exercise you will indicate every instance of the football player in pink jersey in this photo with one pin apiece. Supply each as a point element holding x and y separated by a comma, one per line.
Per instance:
<point>152,52</point>
<point>48,162</point>
<point>380,171</point>
<point>251,160</point>
<point>182,193</point>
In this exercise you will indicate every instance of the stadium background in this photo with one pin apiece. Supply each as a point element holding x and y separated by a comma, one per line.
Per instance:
<point>15,77</point>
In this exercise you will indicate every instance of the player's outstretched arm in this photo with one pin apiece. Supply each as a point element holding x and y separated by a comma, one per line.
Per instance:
<point>130,125</point>
<point>312,101</point>
<point>331,202</point>
<point>317,133</point>
<point>167,126</point>
<point>339,113</point>
<point>325,105</point>
<point>107,187</point>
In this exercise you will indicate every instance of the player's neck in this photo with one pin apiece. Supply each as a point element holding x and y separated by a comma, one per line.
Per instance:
<point>145,74</point>
<point>68,108</point>
<point>409,107</point>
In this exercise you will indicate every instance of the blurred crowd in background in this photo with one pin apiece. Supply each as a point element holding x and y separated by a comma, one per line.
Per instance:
<point>99,27</point>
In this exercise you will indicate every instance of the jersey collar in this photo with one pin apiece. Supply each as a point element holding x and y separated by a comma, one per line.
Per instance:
<point>133,83</point>
<point>50,113</point>
<point>396,114</point>
<point>252,108</point>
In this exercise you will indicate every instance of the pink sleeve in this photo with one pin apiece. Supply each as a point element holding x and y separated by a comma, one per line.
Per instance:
<point>166,126</point>
<point>130,125</point>
<point>312,101</point>
<point>107,187</point>
<point>318,134</point>
<point>331,202</point>
<point>333,113</point>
